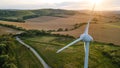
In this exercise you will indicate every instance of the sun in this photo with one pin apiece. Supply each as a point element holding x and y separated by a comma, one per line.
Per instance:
<point>96,1</point>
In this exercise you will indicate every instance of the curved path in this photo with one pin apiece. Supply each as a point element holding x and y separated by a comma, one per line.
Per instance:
<point>45,65</point>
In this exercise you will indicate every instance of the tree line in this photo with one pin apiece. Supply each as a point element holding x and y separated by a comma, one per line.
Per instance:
<point>7,55</point>
<point>12,26</point>
<point>32,33</point>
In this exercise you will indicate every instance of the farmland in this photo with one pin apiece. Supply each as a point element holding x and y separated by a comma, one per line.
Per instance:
<point>5,30</point>
<point>46,44</point>
<point>102,32</point>
<point>100,53</point>
<point>48,23</point>
<point>60,34</point>
<point>105,27</point>
<point>21,15</point>
<point>104,50</point>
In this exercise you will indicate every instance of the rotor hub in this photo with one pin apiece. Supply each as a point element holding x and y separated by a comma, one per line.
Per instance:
<point>86,37</point>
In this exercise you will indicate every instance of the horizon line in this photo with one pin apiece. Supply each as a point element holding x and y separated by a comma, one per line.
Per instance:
<point>53,8</point>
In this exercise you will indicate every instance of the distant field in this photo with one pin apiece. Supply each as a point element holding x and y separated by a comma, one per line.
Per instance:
<point>103,28</point>
<point>39,25</point>
<point>42,19</point>
<point>100,32</point>
<point>22,15</point>
<point>54,23</point>
<point>50,23</point>
<point>5,30</point>
<point>73,57</point>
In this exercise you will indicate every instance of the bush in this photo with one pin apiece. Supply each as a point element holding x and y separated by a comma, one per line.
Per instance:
<point>51,31</point>
<point>32,33</point>
<point>66,29</point>
<point>60,29</point>
<point>3,49</point>
<point>30,16</point>
<point>77,26</point>
<point>13,20</point>
<point>110,43</point>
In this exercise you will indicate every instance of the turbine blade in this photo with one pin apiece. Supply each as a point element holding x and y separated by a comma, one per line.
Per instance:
<point>87,27</point>
<point>86,46</point>
<point>77,40</point>
<point>91,17</point>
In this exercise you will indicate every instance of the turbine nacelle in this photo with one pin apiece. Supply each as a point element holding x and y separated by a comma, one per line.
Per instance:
<point>86,37</point>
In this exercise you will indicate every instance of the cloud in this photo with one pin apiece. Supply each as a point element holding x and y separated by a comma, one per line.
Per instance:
<point>60,4</point>
<point>73,5</point>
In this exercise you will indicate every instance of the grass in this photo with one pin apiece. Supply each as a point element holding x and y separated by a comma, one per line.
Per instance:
<point>25,57</point>
<point>112,25</point>
<point>101,55</point>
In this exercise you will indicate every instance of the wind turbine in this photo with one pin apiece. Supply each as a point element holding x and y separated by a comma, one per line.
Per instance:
<point>86,38</point>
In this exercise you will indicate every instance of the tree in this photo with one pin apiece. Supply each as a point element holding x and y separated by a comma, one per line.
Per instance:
<point>3,49</point>
<point>3,59</point>
<point>66,29</point>
<point>60,29</point>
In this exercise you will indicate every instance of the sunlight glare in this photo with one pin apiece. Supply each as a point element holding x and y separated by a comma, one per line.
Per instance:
<point>96,1</point>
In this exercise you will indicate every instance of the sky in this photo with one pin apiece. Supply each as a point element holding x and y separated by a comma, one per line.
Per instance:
<point>59,4</point>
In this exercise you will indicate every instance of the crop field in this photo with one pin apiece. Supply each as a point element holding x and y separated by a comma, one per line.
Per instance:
<point>54,23</point>
<point>49,22</point>
<point>5,30</point>
<point>101,55</point>
<point>104,28</point>
<point>101,32</point>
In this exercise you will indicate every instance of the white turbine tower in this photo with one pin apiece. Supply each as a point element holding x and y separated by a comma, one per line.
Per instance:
<point>86,38</point>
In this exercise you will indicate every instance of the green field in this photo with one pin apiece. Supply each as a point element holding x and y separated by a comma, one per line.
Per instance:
<point>25,57</point>
<point>101,55</point>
